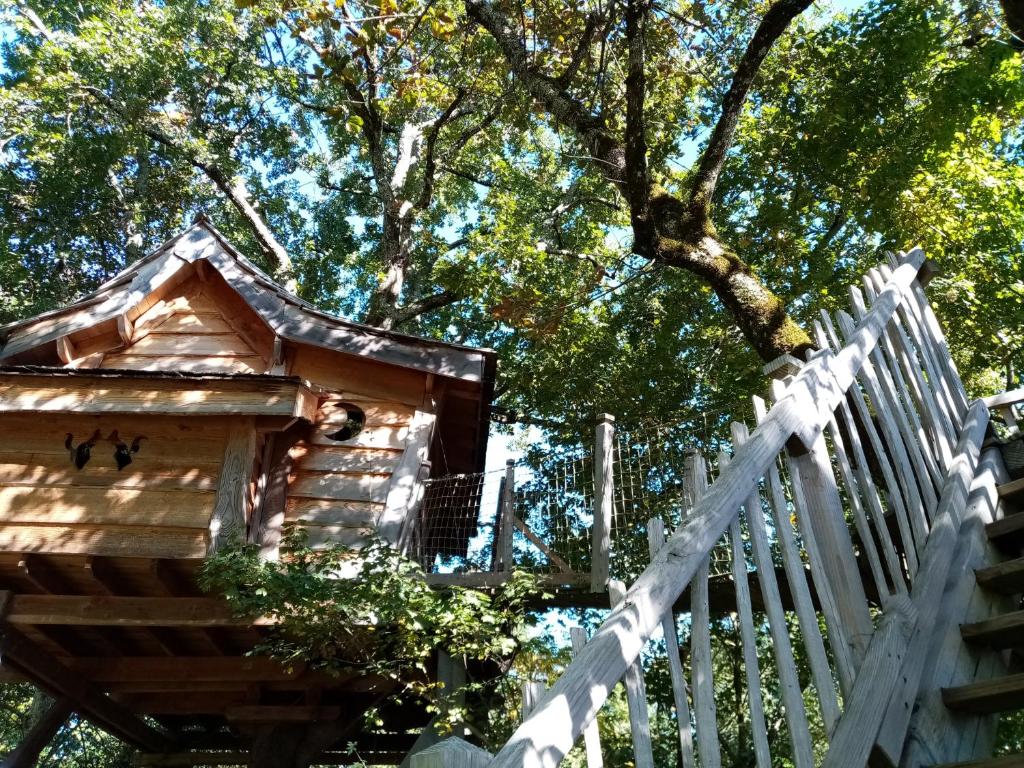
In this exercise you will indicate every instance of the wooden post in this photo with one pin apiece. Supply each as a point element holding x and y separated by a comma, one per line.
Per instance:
<point>228,519</point>
<point>42,732</point>
<point>591,736</point>
<point>636,695</point>
<point>452,753</point>
<point>655,541</point>
<point>508,497</point>
<point>532,691</point>
<point>604,499</point>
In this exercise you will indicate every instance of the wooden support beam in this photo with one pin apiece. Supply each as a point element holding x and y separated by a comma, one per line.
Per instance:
<point>504,543</point>
<point>125,329</point>
<point>26,754</point>
<point>61,682</point>
<point>106,611</point>
<point>230,509</point>
<point>555,559</point>
<point>604,501</point>
<point>282,714</point>
<point>199,669</point>
<point>66,350</point>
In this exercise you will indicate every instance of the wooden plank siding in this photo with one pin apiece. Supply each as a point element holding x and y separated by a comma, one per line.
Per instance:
<point>157,506</point>
<point>189,332</point>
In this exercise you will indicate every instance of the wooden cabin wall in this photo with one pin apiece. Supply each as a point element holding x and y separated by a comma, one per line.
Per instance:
<point>199,327</point>
<point>157,506</point>
<point>338,490</point>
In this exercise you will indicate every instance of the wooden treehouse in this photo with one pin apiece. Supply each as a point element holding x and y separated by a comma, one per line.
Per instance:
<point>865,525</point>
<point>188,401</point>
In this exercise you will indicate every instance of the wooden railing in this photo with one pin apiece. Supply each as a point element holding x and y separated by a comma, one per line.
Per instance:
<point>880,407</point>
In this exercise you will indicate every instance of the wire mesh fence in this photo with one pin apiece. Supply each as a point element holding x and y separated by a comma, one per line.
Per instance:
<point>552,506</point>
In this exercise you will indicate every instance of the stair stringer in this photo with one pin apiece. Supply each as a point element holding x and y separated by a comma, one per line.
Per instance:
<point>936,734</point>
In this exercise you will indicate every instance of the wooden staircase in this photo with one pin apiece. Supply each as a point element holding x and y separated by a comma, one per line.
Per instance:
<point>1004,632</point>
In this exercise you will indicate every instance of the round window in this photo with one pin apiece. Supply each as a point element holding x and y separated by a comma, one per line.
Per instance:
<point>352,424</point>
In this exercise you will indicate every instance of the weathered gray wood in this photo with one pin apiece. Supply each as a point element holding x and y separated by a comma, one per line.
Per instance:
<point>898,651</point>
<point>604,500</point>
<point>884,411</point>
<point>532,691</point>
<point>796,577</point>
<point>940,429</point>
<point>506,561</point>
<point>591,736</point>
<point>552,556</point>
<point>789,680</point>
<point>545,737</point>
<point>867,424</point>
<point>947,367</point>
<point>655,541</point>
<point>1012,397</point>
<point>935,733</point>
<point>860,520</point>
<point>229,511</point>
<point>833,565</point>
<point>748,636</point>
<point>636,695</point>
<point>704,710</point>
<point>405,489</point>
<point>900,406</point>
<point>26,754</point>
<point>852,742</point>
<point>452,753</point>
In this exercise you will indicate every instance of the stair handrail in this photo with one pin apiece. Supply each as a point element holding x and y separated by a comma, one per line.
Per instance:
<point>798,419</point>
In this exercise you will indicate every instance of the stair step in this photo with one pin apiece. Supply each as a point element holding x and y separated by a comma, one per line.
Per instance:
<point>1005,761</point>
<point>1007,578</point>
<point>1000,694</point>
<point>999,632</point>
<point>1008,532</point>
<point>1011,489</point>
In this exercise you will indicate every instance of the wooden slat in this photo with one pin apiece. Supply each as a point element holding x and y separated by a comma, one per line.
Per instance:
<point>340,487</point>
<point>866,424</point>
<point>789,679</point>
<point>29,504</point>
<point>113,540</point>
<point>102,394</point>
<point>144,670</point>
<point>748,636</point>
<point>837,582</point>
<point>190,344</point>
<point>919,508</point>
<point>1003,761</point>
<point>191,322</point>
<point>655,541</point>
<point>185,363</point>
<point>1011,489</point>
<point>295,713</point>
<point>705,716</point>
<point>350,513</point>
<point>1008,532</point>
<point>891,375</point>
<point>341,535</point>
<point>943,435</point>
<point>106,611</point>
<point>370,437</point>
<point>1000,694</point>
<point>55,471</point>
<point>591,735</point>
<point>342,458</point>
<point>636,696</point>
<point>796,578</point>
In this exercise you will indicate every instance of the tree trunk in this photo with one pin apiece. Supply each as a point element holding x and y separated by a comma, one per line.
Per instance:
<point>394,252</point>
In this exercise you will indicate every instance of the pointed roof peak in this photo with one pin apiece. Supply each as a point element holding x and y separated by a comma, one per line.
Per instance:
<point>287,315</point>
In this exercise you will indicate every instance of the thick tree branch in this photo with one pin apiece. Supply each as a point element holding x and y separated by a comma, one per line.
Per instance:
<point>586,40</point>
<point>774,23</point>
<point>604,147</point>
<point>234,190</point>
<point>427,304</point>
